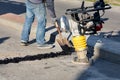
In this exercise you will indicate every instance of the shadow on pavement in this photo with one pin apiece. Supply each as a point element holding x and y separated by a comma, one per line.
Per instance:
<point>52,34</point>
<point>3,39</point>
<point>7,6</point>
<point>32,41</point>
<point>101,70</point>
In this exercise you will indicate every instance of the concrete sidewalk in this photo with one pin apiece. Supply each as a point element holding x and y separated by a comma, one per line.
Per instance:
<point>102,47</point>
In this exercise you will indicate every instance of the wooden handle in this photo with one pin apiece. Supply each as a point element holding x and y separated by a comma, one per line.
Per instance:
<point>58,29</point>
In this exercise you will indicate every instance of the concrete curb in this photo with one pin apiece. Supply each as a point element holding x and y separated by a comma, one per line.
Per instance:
<point>105,48</point>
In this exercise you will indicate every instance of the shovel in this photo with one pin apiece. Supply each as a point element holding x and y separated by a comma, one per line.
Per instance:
<point>60,39</point>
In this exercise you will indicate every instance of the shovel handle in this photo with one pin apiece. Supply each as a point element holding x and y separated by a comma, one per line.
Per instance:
<point>58,29</point>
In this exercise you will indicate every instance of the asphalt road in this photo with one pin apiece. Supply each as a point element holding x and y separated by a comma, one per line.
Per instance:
<point>52,68</point>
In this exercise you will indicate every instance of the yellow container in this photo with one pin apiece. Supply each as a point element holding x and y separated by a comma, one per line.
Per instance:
<point>79,42</point>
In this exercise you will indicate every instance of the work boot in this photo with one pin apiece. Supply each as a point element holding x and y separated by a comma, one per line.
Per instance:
<point>24,43</point>
<point>45,46</point>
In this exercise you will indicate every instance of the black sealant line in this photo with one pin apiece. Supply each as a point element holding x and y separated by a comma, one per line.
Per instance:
<point>34,57</point>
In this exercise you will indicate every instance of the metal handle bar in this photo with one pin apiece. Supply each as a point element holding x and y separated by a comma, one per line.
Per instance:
<point>86,9</point>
